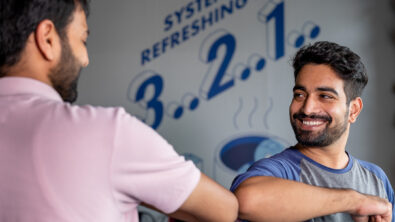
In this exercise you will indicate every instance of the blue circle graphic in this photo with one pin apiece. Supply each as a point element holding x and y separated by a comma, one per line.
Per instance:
<point>238,154</point>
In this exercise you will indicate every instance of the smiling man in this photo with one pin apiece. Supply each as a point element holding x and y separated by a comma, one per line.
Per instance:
<point>66,163</point>
<point>317,180</point>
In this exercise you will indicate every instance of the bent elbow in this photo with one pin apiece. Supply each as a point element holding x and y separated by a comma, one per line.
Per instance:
<point>252,204</point>
<point>245,198</point>
<point>234,209</point>
<point>229,209</point>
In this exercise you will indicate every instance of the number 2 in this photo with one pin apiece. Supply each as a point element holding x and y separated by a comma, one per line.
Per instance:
<point>213,83</point>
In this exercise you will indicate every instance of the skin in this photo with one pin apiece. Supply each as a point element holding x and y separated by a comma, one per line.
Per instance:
<point>208,201</point>
<point>43,49</point>
<point>318,91</point>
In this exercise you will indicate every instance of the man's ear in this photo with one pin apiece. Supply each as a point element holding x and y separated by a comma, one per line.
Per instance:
<point>47,39</point>
<point>355,108</point>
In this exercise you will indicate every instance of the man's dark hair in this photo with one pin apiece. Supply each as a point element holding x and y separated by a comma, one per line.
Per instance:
<point>19,18</point>
<point>342,60</point>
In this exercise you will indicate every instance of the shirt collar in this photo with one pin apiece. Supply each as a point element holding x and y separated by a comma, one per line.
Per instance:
<point>338,171</point>
<point>22,85</point>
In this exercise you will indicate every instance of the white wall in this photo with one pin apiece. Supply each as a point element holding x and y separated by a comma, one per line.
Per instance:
<point>257,106</point>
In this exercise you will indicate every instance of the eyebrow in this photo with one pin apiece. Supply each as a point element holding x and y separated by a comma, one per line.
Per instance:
<point>324,89</point>
<point>298,87</point>
<point>327,89</point>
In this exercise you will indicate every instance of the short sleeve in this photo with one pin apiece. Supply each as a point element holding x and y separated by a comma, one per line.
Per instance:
<point>263,167</point>
<point>285,165</point>
<point>145,168</point>
<point>377,171</point>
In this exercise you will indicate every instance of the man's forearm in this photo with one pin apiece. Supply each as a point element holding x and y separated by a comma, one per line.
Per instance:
<point>274,199</point>
<point>209,202</point>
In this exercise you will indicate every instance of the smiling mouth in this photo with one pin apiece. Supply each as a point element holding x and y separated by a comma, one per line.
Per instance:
<point>312,123</point>
<point>312,120</point>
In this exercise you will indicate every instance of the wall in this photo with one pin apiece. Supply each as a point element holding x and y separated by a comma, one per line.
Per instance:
<point>219,90</point>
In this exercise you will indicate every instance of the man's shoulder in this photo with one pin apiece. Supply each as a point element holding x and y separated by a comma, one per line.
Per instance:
<point>87,117</point>
<point>287,156</point>
<point>282,165</point>
<point>372,168</point>
<point>379,173</point>
<point>87,112</point>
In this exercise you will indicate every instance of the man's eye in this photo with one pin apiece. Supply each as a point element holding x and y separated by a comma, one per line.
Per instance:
<point>298,95</point>
<point>324,96</point>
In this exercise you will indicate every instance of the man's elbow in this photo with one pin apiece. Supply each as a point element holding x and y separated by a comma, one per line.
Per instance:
<point>251,204</point>
<point>245,198</point>
<point>233,208</point>
<point>228,208</point>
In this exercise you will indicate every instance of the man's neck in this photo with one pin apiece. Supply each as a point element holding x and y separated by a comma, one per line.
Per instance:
<point>333,156</point>
<point>31,64</point>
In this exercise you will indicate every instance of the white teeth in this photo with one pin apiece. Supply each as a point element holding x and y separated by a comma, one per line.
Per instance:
<point>312,123</point>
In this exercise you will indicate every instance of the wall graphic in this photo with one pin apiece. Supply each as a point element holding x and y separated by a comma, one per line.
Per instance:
<point>220,75</point>
<point>222,71</point>
<point>214,77</point>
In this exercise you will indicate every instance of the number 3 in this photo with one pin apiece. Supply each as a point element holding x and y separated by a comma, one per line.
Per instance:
<point>142,82</point>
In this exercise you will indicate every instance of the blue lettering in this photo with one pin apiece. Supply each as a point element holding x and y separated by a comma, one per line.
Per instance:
<point>165,43</point>
<point>185,33</point>
<point>168,23</point>
<point>174,39</point>
<point>195,27</point>
<point>208,3</point>
<point>207,20</point>
<point>216,15</point>
<point>179,15</point>
<point>145,56</point>
<point>224,9</point>
<point>186,12</point>
<point>155,50</point>
<point>243,3</point>
<point>199,5</point>
<point>190,10</point>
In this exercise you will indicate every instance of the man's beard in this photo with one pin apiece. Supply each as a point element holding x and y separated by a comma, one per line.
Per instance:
<point>64,76</point>
<point>322,138</point>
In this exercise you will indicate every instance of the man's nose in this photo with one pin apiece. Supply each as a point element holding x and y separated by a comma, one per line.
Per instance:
<point>85,62</point>
<point>84,58</point>
<point>310,106</point>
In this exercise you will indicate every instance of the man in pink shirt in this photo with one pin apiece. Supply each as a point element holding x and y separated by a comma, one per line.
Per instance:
<point>67,163</point>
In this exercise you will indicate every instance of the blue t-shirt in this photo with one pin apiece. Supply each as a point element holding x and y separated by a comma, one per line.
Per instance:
<point>291,164</point>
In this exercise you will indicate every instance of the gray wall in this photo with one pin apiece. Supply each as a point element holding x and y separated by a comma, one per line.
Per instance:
<point>121,30</point>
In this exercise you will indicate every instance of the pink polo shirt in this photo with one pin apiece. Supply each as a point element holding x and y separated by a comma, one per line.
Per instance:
<point>62,162</point>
